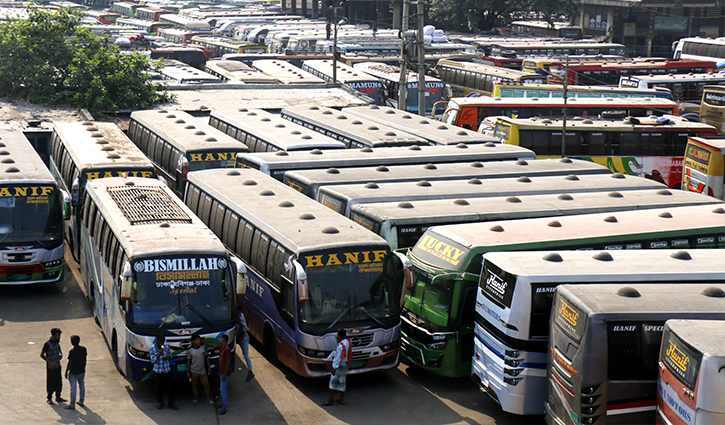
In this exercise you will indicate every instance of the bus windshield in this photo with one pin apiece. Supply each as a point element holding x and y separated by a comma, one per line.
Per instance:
<point>172,292</point>
<point>352,292</point>
<point>30,214</point>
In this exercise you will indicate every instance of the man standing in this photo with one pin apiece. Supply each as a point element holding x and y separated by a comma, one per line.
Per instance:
<point>340,365</point>
<point>52,355</point>
<point>75,371</point>
<point>225,369</point>
<point>243,341</point>
<point>160,354</point>
<point>197,367</point>
<point>328,30</point>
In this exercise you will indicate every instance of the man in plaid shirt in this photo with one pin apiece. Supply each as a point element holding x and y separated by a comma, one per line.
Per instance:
<point>160,354</point>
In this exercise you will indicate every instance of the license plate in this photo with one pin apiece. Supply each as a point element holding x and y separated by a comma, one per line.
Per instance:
<point>20,277</point>
<point>356,365</point>
<point>181,367</point>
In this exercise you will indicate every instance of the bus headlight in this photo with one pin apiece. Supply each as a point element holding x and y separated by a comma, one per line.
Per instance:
<point>54,263</point>
<point>138,353</point>
<point>437,345</point>
<point>390,347</point>
<point>320,354</point>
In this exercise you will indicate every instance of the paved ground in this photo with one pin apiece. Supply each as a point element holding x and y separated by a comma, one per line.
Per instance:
<point>276,396</point>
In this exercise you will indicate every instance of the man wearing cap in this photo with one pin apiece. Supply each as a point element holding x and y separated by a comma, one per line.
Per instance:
<point>52,354</point>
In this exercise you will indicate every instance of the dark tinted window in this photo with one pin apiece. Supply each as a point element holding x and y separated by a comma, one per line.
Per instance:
<point>633,350</point>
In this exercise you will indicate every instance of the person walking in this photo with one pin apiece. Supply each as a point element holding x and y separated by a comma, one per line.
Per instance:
<point>197,368</point>
<point>243,341</point>
<point>340,365</point>
<point>75,372</point>
<point>225,370</point>
<point>52,354</point>
<point>328,30</point>
<point>160,354</point>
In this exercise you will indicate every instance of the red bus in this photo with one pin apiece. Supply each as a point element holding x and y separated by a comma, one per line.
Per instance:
<point>103,17</point>
<point>150,13</point>
<point>608,73</point>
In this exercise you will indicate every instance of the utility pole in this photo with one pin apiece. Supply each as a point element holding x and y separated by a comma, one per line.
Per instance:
<point>421,60</point>
<point>563,118</point>
<point>402,88</point>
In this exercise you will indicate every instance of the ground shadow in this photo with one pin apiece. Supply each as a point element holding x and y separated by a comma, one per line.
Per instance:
<point>81,415</point>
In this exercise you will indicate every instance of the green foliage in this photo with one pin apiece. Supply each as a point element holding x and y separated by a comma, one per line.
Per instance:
<point>50,58</point>
<point>473,15</point>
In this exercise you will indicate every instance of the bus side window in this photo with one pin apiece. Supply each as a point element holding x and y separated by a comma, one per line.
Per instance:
<point>108,240</point>
<point>192,198</point>
<point>114,259</point>
<point>216,221</point>
<point>86,208</point>
<point>97,226</point>
<point>146,146</point>
<point>630,144</point>
<point>270,270</point>
<point>231,222</point>
<point>260,246</point>
<point>91,223</point>
<point>248,238</point>
<point>205,208</point>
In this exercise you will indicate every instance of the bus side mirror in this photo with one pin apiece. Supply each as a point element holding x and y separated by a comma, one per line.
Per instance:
<point>126,282</point>
<point>75,192</point>
<point>66,204</point>
<point>242,278</point>
<point>303,291</point>
<point>407,270</point>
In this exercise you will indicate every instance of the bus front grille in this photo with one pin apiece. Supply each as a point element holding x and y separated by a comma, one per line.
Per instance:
<point>361,340</point>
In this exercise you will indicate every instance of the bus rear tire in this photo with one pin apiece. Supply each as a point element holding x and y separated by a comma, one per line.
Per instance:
<point>114,352</point>
<point>271,344</point>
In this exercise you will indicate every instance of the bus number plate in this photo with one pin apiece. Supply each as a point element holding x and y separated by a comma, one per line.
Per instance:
<point>356,365</point>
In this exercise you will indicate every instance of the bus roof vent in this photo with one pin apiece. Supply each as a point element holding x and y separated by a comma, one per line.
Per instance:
<point>389,133</point>
<point>496,228</point>
<point>487,144</point>
<point>554,223</point>
<point>266,193</point>
<point>523,179</point>
<point>113,156</point>
<point>713,292</point>
<point>91,129</point>
<point>130,183</point>
<point>243,110</point>
<point>249,183</point>
<point>587,122</point>
<point>371,186</point>
<point>430,167</point>
<point>719,210</point>
<point>341,117</point>
<point>315,108</point>
<point>628,292</point>
<point>199,133</point>
<point>513,199</point>
<point>423,183</point>
<point>316,152</point>
<point>565,197</point>
<point>445,127</point>
<point>281,153</point>
<point>664,192</point>
<point>147,205</point>
<point>610,219</point>
<point>189,127</point>
<point>681,255</point>
<point>90,123</point>
<point>664,214</point>
<point>101,142</point>
<point>375,107</point>
<point>366,149</point>
<point>12,170</point>
<point>171,116</point>
<point>476,165</point>
<point>279,125</point>
<point>286,204</point>
<point>307,216</point>
<point>179,121</point>
<point>546,121</point>
<point>571,177</point>
<point>461,133</point>
<point>356,122</point>
<point>2,145</point>
<point>97,135</point>
<point>522,162</point>
<point>295,132</point>
<point>233,173</point>
<point>108,149</point>
<point>474,181</point>
<point>330,230</point>
<point>406,205</point>
<point>553,257</point>
<point>332,171</point>
<point>461,202</point>
<point>382,169</point>
<point>389,111</point>
<point>8,161</point>
<point>306,137</point>
<point>603,256</point>
<point>618,176</point>
<point>615,195</point>
<point>210,139</point>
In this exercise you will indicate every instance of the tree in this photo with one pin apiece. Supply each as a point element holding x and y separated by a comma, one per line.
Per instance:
<point>51,58</point>
<point>476,15</point>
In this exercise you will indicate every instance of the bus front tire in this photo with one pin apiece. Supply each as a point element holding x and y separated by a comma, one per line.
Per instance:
<point>271,344</point>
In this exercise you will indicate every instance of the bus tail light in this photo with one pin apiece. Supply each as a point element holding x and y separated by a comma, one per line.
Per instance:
<point>126,282</point>
<point>303,291</point>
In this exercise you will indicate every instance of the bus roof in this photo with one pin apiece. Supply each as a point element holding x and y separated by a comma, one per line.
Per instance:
<point>285,72</point>
<point>674,78</point>
<point>239,71</point>
<point>390,72</point>
<point>483,68</point>
<point>363,130</point>
<point>345,73</point>
<point>715,144</point>
<point>662,301</point>
<point>93,144</point>
<point>446,211</point>
<point>20,162</point>
<point>543,232</point>
<point>275,130</point>
<point>603,266</point>
<point>706,336</point>
<point>186,133</point>
<point>435,131</point>
<point>296,221</point>
<point>559,101</point>
<point>185,74</point>
<point>630,124</point>
<point>145,215</point>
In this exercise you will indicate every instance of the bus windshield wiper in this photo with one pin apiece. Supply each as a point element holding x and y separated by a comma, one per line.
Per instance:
<point>337,318</point>
<point>200,314</point>
<point>378,321</point>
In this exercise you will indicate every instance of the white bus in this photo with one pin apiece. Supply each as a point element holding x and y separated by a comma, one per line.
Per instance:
<point>237,72</point>
<point>514,300</point>
<point>140,285</point>
<point>262,131</point>
<point>701,48</point>
<point>285,72</point>
<point>389,76</point>
<point>364,83</point>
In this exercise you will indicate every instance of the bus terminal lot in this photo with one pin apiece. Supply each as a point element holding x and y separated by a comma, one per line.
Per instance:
<point>276,395</point>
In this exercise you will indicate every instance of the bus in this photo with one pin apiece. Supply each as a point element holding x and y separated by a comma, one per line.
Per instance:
<point>389,77</point>
<point>547,29</point>
<point>468,112</point>
<point>125,9</point>
<point>177,143</point>
<point>690,377</point>
<point>574,91</point>
<point>605,343</point>
<point>276,164</point>
<point>609,73</point>
<point>237,72</point>
<point>286,73</point>
<point>309,182</point>
<point>150,27</point>
<point>296,254</point>
<point>89,150</point>
<point>183,22</point>
<point>712,107</point>
<point>193,57</point>
<point>140,285</point>
<point>262,131</point>
<point>353,131</point>
<point>296,60</point>
<point>32,210</point>
<point>704,167</point>
<point>438,314</point>
<point>341,198</point>
<point>150,13</point>
<point>368,85</point>
<point>648,147</point>
<point>467,79</point>
<point>556,48</point>
<point>177,72</point>
<point>436,132</point>
<point>221,45</point>
<point>701,48</point>
<point>103,17</point>
<point>686,89</point>
<point>514,300</point>
<point>403,223</point>
<point>178,36</point>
